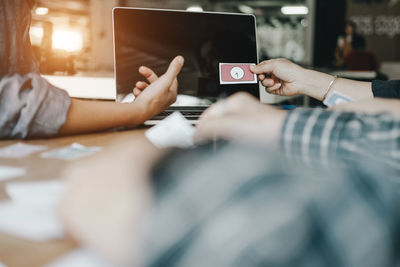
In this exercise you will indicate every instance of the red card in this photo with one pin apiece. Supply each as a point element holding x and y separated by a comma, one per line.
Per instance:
<point>236,73</point>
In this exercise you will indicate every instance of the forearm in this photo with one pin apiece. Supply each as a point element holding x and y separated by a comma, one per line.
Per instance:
<point>91,116</point>
<point>108,199</point>
<point>316,85</point>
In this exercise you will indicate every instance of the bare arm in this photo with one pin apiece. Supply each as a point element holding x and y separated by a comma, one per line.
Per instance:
<point>317,83</point>
<point>92,116</point>
<point>282,77</point>
<point>108,198</point>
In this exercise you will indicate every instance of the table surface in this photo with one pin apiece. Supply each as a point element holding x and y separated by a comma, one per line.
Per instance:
<point>17,252</point>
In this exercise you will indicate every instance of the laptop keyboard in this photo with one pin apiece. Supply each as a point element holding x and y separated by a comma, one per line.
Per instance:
<point>188,113</point>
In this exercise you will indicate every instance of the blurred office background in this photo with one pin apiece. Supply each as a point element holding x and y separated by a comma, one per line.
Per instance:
<point>74,37</point>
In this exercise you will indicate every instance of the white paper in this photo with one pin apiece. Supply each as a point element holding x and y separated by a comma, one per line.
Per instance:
<point>20,150</point>
<point>2,265</point>
<point>80,258</point>
<point>72,152</point>
<point>173,131</point>
<point>9,172</point>
<point>35,224</point>
<point>32,213</point>
<point>37,194</point>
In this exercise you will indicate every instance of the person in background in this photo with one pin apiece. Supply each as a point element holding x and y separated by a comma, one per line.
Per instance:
<point>359,59</point>
<point>344,43</point>
<point>31,107</point>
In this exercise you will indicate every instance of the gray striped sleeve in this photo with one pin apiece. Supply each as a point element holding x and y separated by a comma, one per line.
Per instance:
<point>319,136</point>
<point>31,107</point>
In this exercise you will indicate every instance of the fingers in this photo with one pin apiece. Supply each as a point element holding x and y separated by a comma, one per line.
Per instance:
<point>139,88</point>
<point>141,85</point>
<point>148,73</point>
<point>275,87</point>
<point>264,67</point>
<point>268,83</point>
<point>174,68</point>
<point>136,92</point>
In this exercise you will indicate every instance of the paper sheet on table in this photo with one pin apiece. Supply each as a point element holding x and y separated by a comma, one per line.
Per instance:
<point>37,194</point>
<point>35,224</point>
<point>10,172</point>
<point>80,258</point>
<point>173,131</point>
<point>72,152</point>
<point>20,150</point>
<point>32,212</point>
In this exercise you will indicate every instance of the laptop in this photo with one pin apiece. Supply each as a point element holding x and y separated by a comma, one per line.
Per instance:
<point>153,37</point>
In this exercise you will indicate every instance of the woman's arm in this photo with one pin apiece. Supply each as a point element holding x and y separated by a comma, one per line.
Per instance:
<point>31,107</point>
<point>90,116</point>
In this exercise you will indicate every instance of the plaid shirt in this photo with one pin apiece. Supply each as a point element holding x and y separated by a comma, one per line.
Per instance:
<point>320,136</point>
<point>245,206</point>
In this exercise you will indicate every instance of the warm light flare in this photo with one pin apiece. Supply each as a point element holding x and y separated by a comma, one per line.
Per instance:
<point>41,11</point>
<point>67,40</point>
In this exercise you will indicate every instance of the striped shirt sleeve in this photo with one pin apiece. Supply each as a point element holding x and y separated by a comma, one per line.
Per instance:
<point>31,107</point>
<point>321,136</point>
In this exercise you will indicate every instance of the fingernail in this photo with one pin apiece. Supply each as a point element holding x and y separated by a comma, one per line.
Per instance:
<point>279,85</point>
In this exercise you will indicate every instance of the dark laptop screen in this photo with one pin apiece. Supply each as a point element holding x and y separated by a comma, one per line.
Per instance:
<point>154,37</point>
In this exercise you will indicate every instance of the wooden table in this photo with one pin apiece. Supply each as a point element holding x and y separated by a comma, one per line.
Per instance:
<point>15,252</point>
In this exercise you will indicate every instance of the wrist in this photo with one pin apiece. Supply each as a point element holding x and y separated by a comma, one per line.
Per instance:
<point>137,114</point>
<point>315,84</point>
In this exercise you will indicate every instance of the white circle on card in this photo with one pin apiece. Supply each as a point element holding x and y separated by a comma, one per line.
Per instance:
<point>237,73</point>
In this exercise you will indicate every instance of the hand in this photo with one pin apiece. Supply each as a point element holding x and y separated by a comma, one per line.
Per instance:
<point>241,118</point>
<point>160,92</point>
<point>282,77</point>
<point>107,199</point>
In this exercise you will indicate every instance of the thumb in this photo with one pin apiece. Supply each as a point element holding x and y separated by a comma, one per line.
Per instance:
<point>175,67</point>
<point>264,67</point>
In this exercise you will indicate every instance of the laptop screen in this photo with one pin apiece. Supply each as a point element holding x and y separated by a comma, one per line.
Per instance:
<point>152,38</point>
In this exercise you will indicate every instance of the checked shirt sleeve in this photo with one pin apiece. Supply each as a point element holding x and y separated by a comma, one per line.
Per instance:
<point>320,136</point>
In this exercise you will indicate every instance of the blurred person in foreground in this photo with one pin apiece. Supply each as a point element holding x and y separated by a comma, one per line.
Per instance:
<point>31,107</point>
<point>294,188</point>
